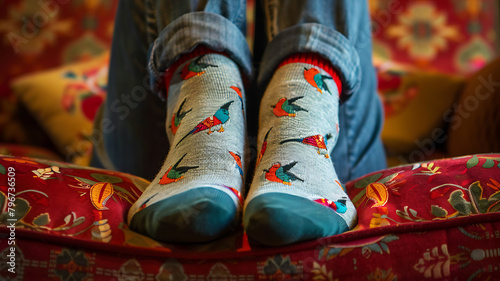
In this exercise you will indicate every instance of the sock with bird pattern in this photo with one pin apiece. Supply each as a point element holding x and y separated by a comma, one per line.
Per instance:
<point>295,194</point>
<point>196,197</point>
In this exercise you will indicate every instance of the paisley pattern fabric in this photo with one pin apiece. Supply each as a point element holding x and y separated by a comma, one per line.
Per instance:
<point>70,225</point>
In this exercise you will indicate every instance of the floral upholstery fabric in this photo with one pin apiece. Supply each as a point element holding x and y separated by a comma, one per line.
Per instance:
<point>436,220</point>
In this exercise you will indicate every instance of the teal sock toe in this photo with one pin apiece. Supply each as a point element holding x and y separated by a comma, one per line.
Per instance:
<point>198,215</point>
<point>276,219</point>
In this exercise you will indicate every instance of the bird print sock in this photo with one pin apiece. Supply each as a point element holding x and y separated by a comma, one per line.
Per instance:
<point>295,194</point>
<point>196,197</point>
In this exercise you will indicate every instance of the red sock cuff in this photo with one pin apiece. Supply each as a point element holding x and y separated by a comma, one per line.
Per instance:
<point>316,60</point>
<point>198,51</point>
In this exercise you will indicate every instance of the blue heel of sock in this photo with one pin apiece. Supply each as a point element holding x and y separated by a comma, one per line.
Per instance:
<point>198,215</point>
<point>276,219</point>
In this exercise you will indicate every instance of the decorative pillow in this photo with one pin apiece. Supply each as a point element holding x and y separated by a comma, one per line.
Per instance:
<point>474,125</point>
<point>417,105</point>
<point>71,201</point>
<point>64,101</point>
<point>425,192</point>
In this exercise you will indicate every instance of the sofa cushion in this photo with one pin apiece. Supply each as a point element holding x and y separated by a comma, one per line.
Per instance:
<point>428,192</point>
<point>64,102</point>
<point>66,200</point>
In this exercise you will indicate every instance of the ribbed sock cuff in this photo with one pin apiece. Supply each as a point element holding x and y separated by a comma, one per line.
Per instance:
<point>198,51</point>
<point>316,60</point>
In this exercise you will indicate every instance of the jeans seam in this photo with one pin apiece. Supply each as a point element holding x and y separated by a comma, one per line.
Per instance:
<point>271,8</point>
<point>151,21</point>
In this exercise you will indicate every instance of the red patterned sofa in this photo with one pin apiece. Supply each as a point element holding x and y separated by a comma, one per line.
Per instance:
<point>437,220</point>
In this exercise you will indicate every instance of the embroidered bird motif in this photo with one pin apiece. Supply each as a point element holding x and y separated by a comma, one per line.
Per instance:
<point>175,173</point>
<point>219,118</point>
<point>195,68</point>
<point>317,141</point>
<point>263,147</point>
<point>286,107</point>
<point>177,117</point>
<point>237,158</point>
<point>316,79</point>
<point>282,174</point>
<point>339,206</point>
<point>240,94</point>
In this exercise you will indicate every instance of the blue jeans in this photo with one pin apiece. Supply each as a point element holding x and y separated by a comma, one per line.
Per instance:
<point>150,35</point>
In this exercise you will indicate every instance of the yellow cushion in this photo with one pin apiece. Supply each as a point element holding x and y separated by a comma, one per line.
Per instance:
<point>474,126</point>
<point>64,102</point>
<point>417,110</point>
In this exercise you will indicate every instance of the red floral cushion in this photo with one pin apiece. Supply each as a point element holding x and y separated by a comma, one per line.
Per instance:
<point>68,200</point>
<point>425,192</point>
<point>436,220</point>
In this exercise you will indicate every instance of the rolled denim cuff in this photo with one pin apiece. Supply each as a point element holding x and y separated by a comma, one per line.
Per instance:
<point>190,30</point>
<point>315,38</point>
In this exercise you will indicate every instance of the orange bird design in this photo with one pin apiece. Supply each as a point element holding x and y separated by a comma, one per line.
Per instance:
<point>263,147</point>
<point>317,141</point>
<point>237,158</point>
<point>177,117</point>
<point>240,95</point>
<point>175,173</point>
<point>195,68</point>
<point>282,174</point>
<point>286,107</point>
<point>316,79</point>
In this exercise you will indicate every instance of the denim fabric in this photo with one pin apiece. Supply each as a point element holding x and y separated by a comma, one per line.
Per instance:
<point>190,30</point>
<point>340,31</point>
<point>134,138</point>
<point>134,124</point>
